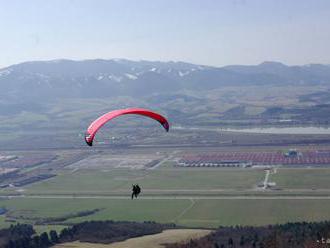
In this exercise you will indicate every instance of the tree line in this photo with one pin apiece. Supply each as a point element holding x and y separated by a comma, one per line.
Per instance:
<point>24,236</point>
<point>289,235</point>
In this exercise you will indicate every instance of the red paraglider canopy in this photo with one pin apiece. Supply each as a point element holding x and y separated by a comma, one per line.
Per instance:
<point>99,122</point>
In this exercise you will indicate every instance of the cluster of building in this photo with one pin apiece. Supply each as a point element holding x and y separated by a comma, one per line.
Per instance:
<point>247,159</point>
<point>188,162</point>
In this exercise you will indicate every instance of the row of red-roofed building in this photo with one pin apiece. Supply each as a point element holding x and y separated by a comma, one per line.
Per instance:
<point>245,159</point>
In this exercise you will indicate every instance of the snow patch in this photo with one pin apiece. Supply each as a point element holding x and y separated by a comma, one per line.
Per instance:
<point>115,78</point>
<point>139,73</point>
<point>182,74</point>
<point>100,78</point>
<point>5,72</point>
<point>118,60</point>
<point>53,61</point>
<point>130,76</point>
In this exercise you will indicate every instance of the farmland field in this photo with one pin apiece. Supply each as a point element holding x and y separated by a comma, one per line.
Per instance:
<point>189,197</point>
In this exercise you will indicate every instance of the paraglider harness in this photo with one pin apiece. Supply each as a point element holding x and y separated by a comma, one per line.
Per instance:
<point>136,190</point>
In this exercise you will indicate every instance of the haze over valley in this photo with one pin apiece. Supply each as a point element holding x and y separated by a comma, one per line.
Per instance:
<point>64,95</point>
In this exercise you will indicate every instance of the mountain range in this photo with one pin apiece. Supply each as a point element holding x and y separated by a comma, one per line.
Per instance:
<point>50,96</point>
<point>46,80</point>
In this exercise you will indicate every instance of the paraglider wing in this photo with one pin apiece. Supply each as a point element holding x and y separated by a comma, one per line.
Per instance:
<point>99,122</point>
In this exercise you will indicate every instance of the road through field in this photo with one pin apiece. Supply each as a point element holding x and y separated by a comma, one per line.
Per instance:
<point>185,210</point>
<point>266,179</point>
<point>160,163</point>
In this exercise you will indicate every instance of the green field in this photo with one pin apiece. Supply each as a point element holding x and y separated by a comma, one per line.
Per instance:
<point>255,212</point>
<point>107,181</point>
<point>172,194</point>
<point>302,178</point>
<point>197,213</point>
<point>137,210</point>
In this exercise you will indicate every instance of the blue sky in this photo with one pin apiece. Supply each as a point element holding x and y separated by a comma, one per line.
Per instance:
<point>212,32</point>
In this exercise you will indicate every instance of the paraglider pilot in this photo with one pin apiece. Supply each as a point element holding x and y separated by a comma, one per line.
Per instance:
<point>136,190</point>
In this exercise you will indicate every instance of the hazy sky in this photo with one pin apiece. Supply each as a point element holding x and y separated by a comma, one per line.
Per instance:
<point>212,32</point>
